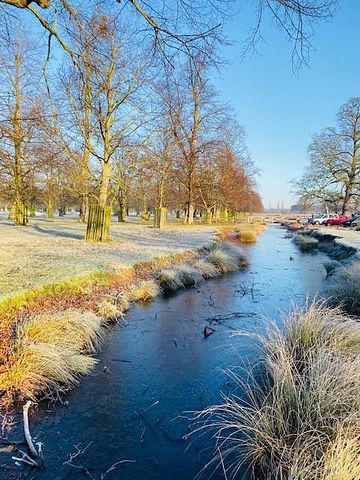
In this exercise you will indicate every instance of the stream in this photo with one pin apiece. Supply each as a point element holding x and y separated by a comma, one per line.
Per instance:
<point>134,409</point>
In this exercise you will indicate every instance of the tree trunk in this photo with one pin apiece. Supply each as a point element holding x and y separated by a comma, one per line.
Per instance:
<point>122,212</point>
<point>98,225</point>
<point>160,217</point>
<point>84,208</point>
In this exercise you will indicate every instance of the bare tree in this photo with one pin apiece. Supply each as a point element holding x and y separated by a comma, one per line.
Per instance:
<point>191,26</point>
<point>19,119</point>
<point>332,175</point>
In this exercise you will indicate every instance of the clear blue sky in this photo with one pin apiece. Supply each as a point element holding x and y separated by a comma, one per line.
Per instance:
<point>281,110</point>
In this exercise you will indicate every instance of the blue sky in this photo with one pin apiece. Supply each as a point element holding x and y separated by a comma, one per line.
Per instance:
<point>281,110</point>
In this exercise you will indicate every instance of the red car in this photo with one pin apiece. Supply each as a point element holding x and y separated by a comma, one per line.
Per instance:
<point>336,221</point>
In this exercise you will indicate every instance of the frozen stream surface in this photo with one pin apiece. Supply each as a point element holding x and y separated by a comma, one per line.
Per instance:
<point>160,365</point>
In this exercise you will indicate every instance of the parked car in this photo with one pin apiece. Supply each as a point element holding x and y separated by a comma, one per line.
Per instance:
<point>321,219</point>
<point>356,223</point>
<point>350,221</point>
<point>336,221</point>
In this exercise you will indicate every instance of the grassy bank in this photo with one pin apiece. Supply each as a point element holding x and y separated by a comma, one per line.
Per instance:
<point>242,233</point>
<point>300,420</point>
<point>49,334</point>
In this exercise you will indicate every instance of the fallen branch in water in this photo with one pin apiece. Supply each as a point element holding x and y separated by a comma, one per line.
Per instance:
<point>36,458</point>
<point>113,467</point>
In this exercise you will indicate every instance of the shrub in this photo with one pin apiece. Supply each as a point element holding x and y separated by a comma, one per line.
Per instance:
<point>207,269</point>
<point>188,275</point>
<point>146,290</point>
<point>299,419</point>
<point>344,288</point>
<point>169,280</point>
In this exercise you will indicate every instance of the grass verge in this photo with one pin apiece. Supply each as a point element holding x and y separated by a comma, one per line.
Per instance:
<point>50,333</point>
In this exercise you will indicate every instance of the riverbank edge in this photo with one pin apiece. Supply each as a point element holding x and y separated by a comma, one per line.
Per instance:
<point>109,295</point>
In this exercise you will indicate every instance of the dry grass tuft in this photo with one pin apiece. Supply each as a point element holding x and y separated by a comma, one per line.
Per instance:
<point>305,242</point>
<point>188,275</point>
<point>222,261</point>
<point>227,258</point>
<point>169,280</point>
<point>42,368</point>
<point>207,269</point>
<point>300,419</point>
<point>109,311</point>
<point>247,237</point>
<point>146,290</point>
<point>71,330</point>
<point>330,266</point>
<point>344,288</point>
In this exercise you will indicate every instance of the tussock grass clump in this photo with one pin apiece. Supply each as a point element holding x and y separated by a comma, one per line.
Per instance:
<point>146,290</point>
<point>206,269</point>
<point>71,330</point>
<point>169,280</point>
<point>306,242</point>
<point>222,261</point>
<point>330,266</point>
<point>227,257</point>
<point>300,419</point>
<point>41,368</point>
<point>344,288</point>
<point>50,353</point>
<point>188,275</point>
<point>247,237</point>
<point>109,310</point>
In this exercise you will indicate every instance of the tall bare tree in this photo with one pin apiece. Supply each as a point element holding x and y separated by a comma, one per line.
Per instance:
<point>333,174</point>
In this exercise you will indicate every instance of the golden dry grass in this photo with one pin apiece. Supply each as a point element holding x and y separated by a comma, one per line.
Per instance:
<point>206,269</point>
<point>145,290</point>
<point>169,280</point>
<point>188,275</point>
<point>71,330</point>
<point>43,368</point>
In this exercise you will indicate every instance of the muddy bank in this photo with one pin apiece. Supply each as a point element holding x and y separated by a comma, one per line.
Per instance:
<point>159,365</point>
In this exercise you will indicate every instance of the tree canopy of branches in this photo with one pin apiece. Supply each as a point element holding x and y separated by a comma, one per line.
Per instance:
<point>332,175</point>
